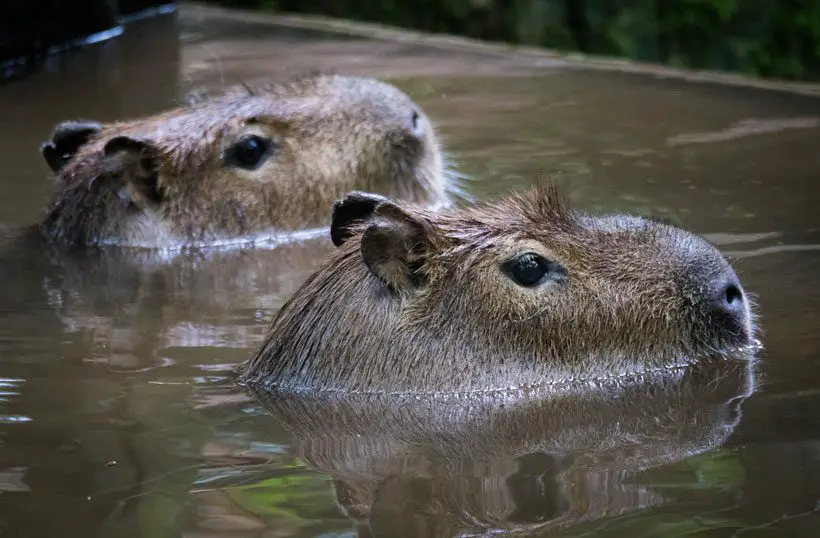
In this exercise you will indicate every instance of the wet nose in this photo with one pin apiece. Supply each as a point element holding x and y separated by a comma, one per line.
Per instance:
<point>728,299</point>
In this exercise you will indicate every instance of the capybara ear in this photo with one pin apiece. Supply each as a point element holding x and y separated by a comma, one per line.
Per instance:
<point>134,161</point>
<point>355,208</point>
<point>66,139</point>
<point>126,143</point>
<point>395,246</point>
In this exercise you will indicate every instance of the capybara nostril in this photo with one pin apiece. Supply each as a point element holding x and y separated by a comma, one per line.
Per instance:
<point>727,298</point>
<point>733,296</point>
<point>726,307</point>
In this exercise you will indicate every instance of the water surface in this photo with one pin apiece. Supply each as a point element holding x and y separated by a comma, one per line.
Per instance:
<point>118,416</point>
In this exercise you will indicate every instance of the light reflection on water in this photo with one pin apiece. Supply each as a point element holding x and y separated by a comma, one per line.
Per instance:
<point>128,357</point>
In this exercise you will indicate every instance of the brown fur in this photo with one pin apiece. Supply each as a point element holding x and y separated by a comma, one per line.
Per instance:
<point>163,181</point>
<point>415,301</point>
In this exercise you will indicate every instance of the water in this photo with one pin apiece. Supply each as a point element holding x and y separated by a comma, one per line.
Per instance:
<point>118,416</point>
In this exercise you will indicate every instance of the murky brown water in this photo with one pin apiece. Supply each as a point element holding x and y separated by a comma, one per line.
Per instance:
<point>117,412</point>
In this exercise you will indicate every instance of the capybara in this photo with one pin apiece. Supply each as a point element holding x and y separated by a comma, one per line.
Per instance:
<point>251,160</point>
<point>514,292</point>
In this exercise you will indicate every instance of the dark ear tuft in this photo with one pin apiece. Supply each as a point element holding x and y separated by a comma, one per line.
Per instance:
<point>121,143</point>
<point>355,207</point>
<point>67,138</point>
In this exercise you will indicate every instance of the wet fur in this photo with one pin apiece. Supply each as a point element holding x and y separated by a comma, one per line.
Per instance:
<point>333,134</point>
<point>632,303</point>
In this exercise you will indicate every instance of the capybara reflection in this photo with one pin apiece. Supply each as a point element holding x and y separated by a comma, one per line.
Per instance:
<point>248,161</point>
<point>515,292</point>
<point>519,463</point>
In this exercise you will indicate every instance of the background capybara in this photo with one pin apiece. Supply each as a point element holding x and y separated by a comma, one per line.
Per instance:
<point>520,291</point>
<point>249,161</point>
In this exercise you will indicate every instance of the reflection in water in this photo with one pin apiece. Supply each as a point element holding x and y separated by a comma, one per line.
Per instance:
<point>504,462</point>
<point>141,308</point>
<point>743,128</point>
<point>119,416</point>
<point>111,81</point>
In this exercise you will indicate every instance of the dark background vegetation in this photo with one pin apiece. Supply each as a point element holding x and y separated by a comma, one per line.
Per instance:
<point>766,38</point>
<point>29,28</point>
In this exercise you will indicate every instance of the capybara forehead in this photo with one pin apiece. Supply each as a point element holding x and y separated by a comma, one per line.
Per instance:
<point>192,135</point>
<point>542,216</point>
<point>536,214</point>
<point>209,119</point>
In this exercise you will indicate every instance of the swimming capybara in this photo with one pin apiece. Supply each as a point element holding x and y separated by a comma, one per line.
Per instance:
<point>245,162</point>
<point>515,292</point>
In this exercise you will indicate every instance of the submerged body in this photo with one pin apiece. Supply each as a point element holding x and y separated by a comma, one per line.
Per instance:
<point>248,161</point>
<point>521,291</point>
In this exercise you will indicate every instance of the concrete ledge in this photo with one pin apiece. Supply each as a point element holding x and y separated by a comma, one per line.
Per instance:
<point>540,56</point>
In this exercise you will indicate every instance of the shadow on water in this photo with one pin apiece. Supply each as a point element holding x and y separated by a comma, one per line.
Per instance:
<point>118,412</point>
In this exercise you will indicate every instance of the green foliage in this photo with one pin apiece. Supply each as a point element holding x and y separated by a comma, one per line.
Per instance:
<point>288,497</point>
<point>767,38</point>
<point>714,470</point>
<point>296,502</point>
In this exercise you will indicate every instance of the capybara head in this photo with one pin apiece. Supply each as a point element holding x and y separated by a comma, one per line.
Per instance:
<point>516,292</point>
<point>245,162</point>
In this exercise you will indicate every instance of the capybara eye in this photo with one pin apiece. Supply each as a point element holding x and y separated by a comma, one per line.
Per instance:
<point>530,269</point>
<point>250,152</point>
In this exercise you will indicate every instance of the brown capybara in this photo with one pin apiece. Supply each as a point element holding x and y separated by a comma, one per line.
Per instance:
<point>521,291</point>
<point>242,163</point>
